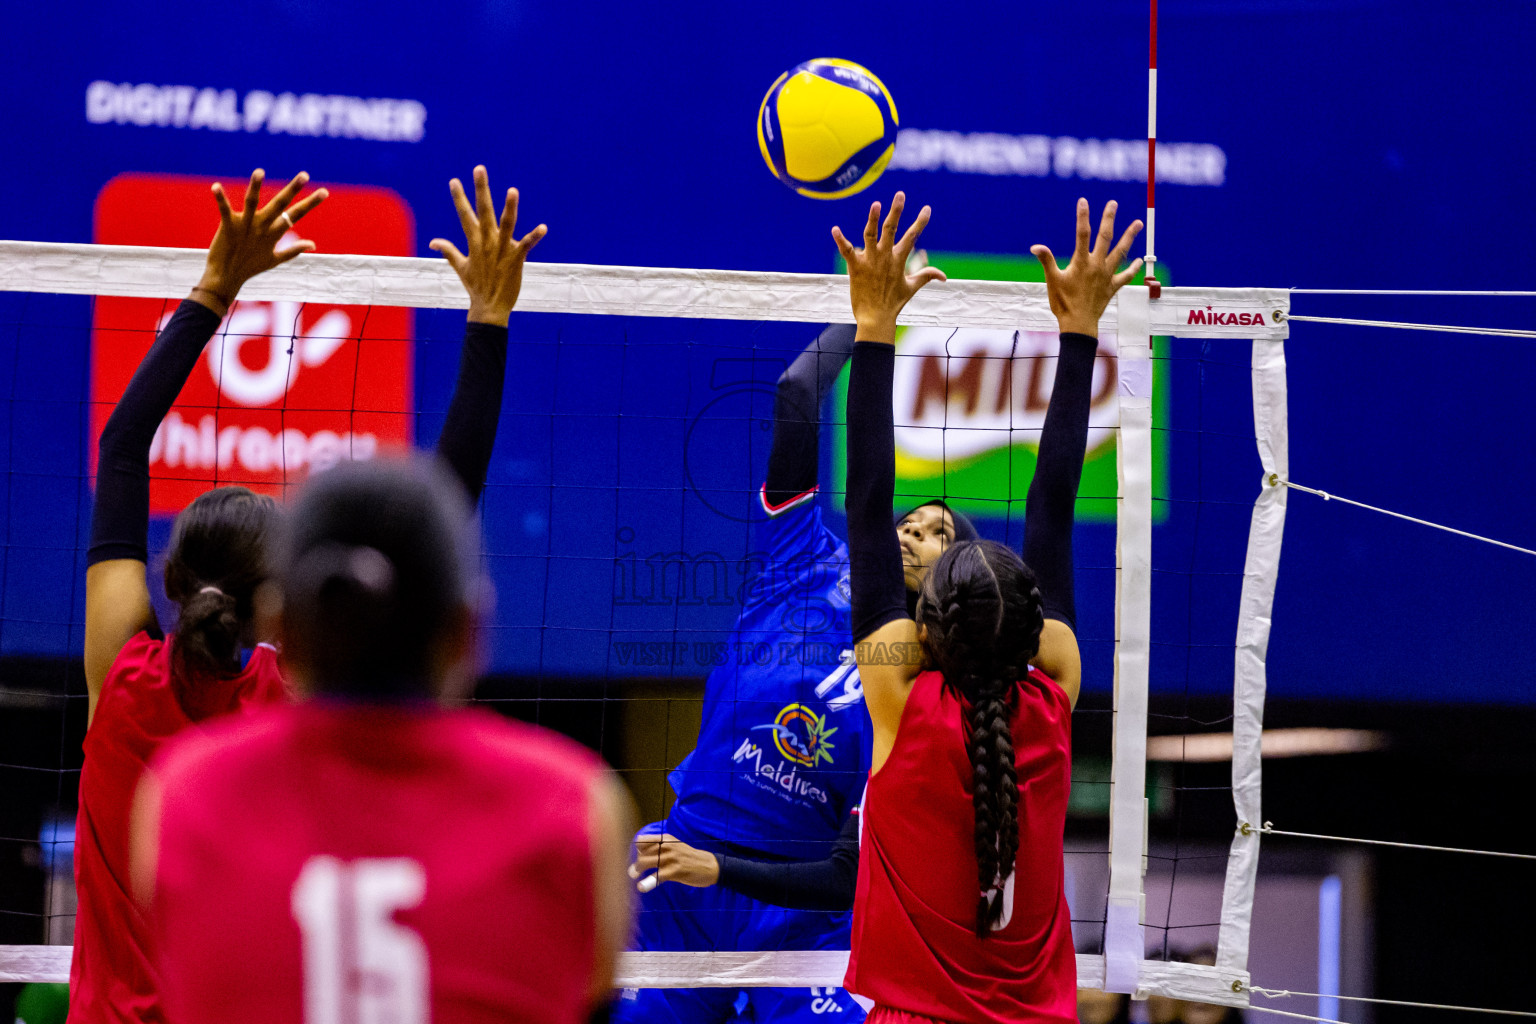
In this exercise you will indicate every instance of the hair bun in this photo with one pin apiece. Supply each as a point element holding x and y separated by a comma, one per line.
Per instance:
<point>371,570</point>
<point>208,631</point>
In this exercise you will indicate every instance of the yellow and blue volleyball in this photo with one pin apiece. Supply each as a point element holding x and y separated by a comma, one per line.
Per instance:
<point>827,128</point>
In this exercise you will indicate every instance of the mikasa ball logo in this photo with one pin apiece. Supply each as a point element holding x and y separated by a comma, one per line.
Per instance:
<point>283,389</point>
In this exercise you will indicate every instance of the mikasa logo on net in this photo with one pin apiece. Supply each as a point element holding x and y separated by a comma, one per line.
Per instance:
<point>1221,318</point>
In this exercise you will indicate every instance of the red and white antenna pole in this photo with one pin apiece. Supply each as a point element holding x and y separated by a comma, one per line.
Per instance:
<point>1154,290</point>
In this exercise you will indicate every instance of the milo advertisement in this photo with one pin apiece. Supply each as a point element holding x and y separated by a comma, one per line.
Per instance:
<point>970,404</point>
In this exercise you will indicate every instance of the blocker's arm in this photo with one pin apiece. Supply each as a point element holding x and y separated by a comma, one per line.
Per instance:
<point>1079,294</point>
<point>120,517</point>
<point>117,603</point>
<point>885,638</point>
<point>492,275</point>
<point>793,463</point>
<point>469,431</point>
<point>1049,511</point>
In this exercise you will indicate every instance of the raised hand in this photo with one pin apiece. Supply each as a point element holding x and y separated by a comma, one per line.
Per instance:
<point>664,858</point>
<point>1080,293</point>
<point>878,283</point>
<point>492,273</point>
<point>246,243</point>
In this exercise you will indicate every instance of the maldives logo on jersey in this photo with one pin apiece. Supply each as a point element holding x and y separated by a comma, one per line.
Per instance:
<point>801,736</point>
<point>283,389</point>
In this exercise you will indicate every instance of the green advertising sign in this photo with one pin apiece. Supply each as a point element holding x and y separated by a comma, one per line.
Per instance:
<point>969,405</point>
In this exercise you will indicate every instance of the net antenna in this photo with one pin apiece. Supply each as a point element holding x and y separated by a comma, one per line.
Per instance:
<point>1154,287</point>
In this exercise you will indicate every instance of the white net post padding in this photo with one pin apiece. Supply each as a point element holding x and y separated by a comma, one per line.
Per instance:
<point>1262,566</point>
<point>1233,313</point>
<point>22,964</point>
<point>1124,942</point>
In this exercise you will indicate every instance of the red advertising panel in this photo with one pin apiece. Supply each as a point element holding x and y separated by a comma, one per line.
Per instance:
<point>284,388</point>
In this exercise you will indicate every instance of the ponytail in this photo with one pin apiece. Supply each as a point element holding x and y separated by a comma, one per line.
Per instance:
<point>207,636</point>
<point>983,614</point>
<point>216,562</point>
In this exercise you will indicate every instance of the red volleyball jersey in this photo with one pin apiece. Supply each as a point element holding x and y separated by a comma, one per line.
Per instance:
<point>339,862</point>
<point>914,915</point>
<point>140,707</point>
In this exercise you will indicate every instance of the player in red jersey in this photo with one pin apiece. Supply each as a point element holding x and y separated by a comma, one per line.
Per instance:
<point>371,854</point>
<point>143,687</point>
<point>961,913</point>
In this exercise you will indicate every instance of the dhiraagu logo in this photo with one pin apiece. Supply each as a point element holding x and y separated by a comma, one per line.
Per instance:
<point>801,736</point>
<point>970,404</point>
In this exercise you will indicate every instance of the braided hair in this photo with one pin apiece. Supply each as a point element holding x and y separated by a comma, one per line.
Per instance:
<point>983,615</point>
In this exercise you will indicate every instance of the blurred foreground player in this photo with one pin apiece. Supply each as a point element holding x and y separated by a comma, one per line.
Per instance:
<point>960,913</point>
<point>372,854</point>
<point>145,687</point>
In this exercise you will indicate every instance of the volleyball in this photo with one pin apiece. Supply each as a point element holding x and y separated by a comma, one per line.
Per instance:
<point>827,128</point>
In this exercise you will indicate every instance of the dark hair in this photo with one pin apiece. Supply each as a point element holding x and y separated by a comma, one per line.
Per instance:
<point>378,559</point>
<point>964,528</point>
<point>217,560</point>
<point>983,615</point>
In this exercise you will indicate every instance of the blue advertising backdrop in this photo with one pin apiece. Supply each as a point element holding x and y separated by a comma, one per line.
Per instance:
<point>1343,144</point>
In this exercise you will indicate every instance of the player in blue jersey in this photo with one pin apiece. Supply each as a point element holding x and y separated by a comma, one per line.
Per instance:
<point>783,750</point>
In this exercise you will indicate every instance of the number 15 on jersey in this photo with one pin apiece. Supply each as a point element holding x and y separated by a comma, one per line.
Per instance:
<point>361,966</point>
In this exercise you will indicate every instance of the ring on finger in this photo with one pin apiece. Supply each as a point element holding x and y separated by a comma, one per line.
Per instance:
<point>286,219</point>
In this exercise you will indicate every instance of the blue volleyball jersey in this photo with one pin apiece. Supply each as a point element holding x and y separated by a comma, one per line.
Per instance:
<point>784,748</point>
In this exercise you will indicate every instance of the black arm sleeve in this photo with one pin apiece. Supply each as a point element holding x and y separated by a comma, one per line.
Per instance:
<point>120,516</point>
<point>879,586</point>
<point>806,885</point>
<point>469,431</point>
<point>803,388</point>
<point>1050,508</point>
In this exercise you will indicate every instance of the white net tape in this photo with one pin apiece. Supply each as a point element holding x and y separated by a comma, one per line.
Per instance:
<point>148,272</point>
<point>780,969</point>
<point>1258,314</point>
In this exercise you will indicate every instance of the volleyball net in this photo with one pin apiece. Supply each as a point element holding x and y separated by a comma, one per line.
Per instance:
<point>619,525</point>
